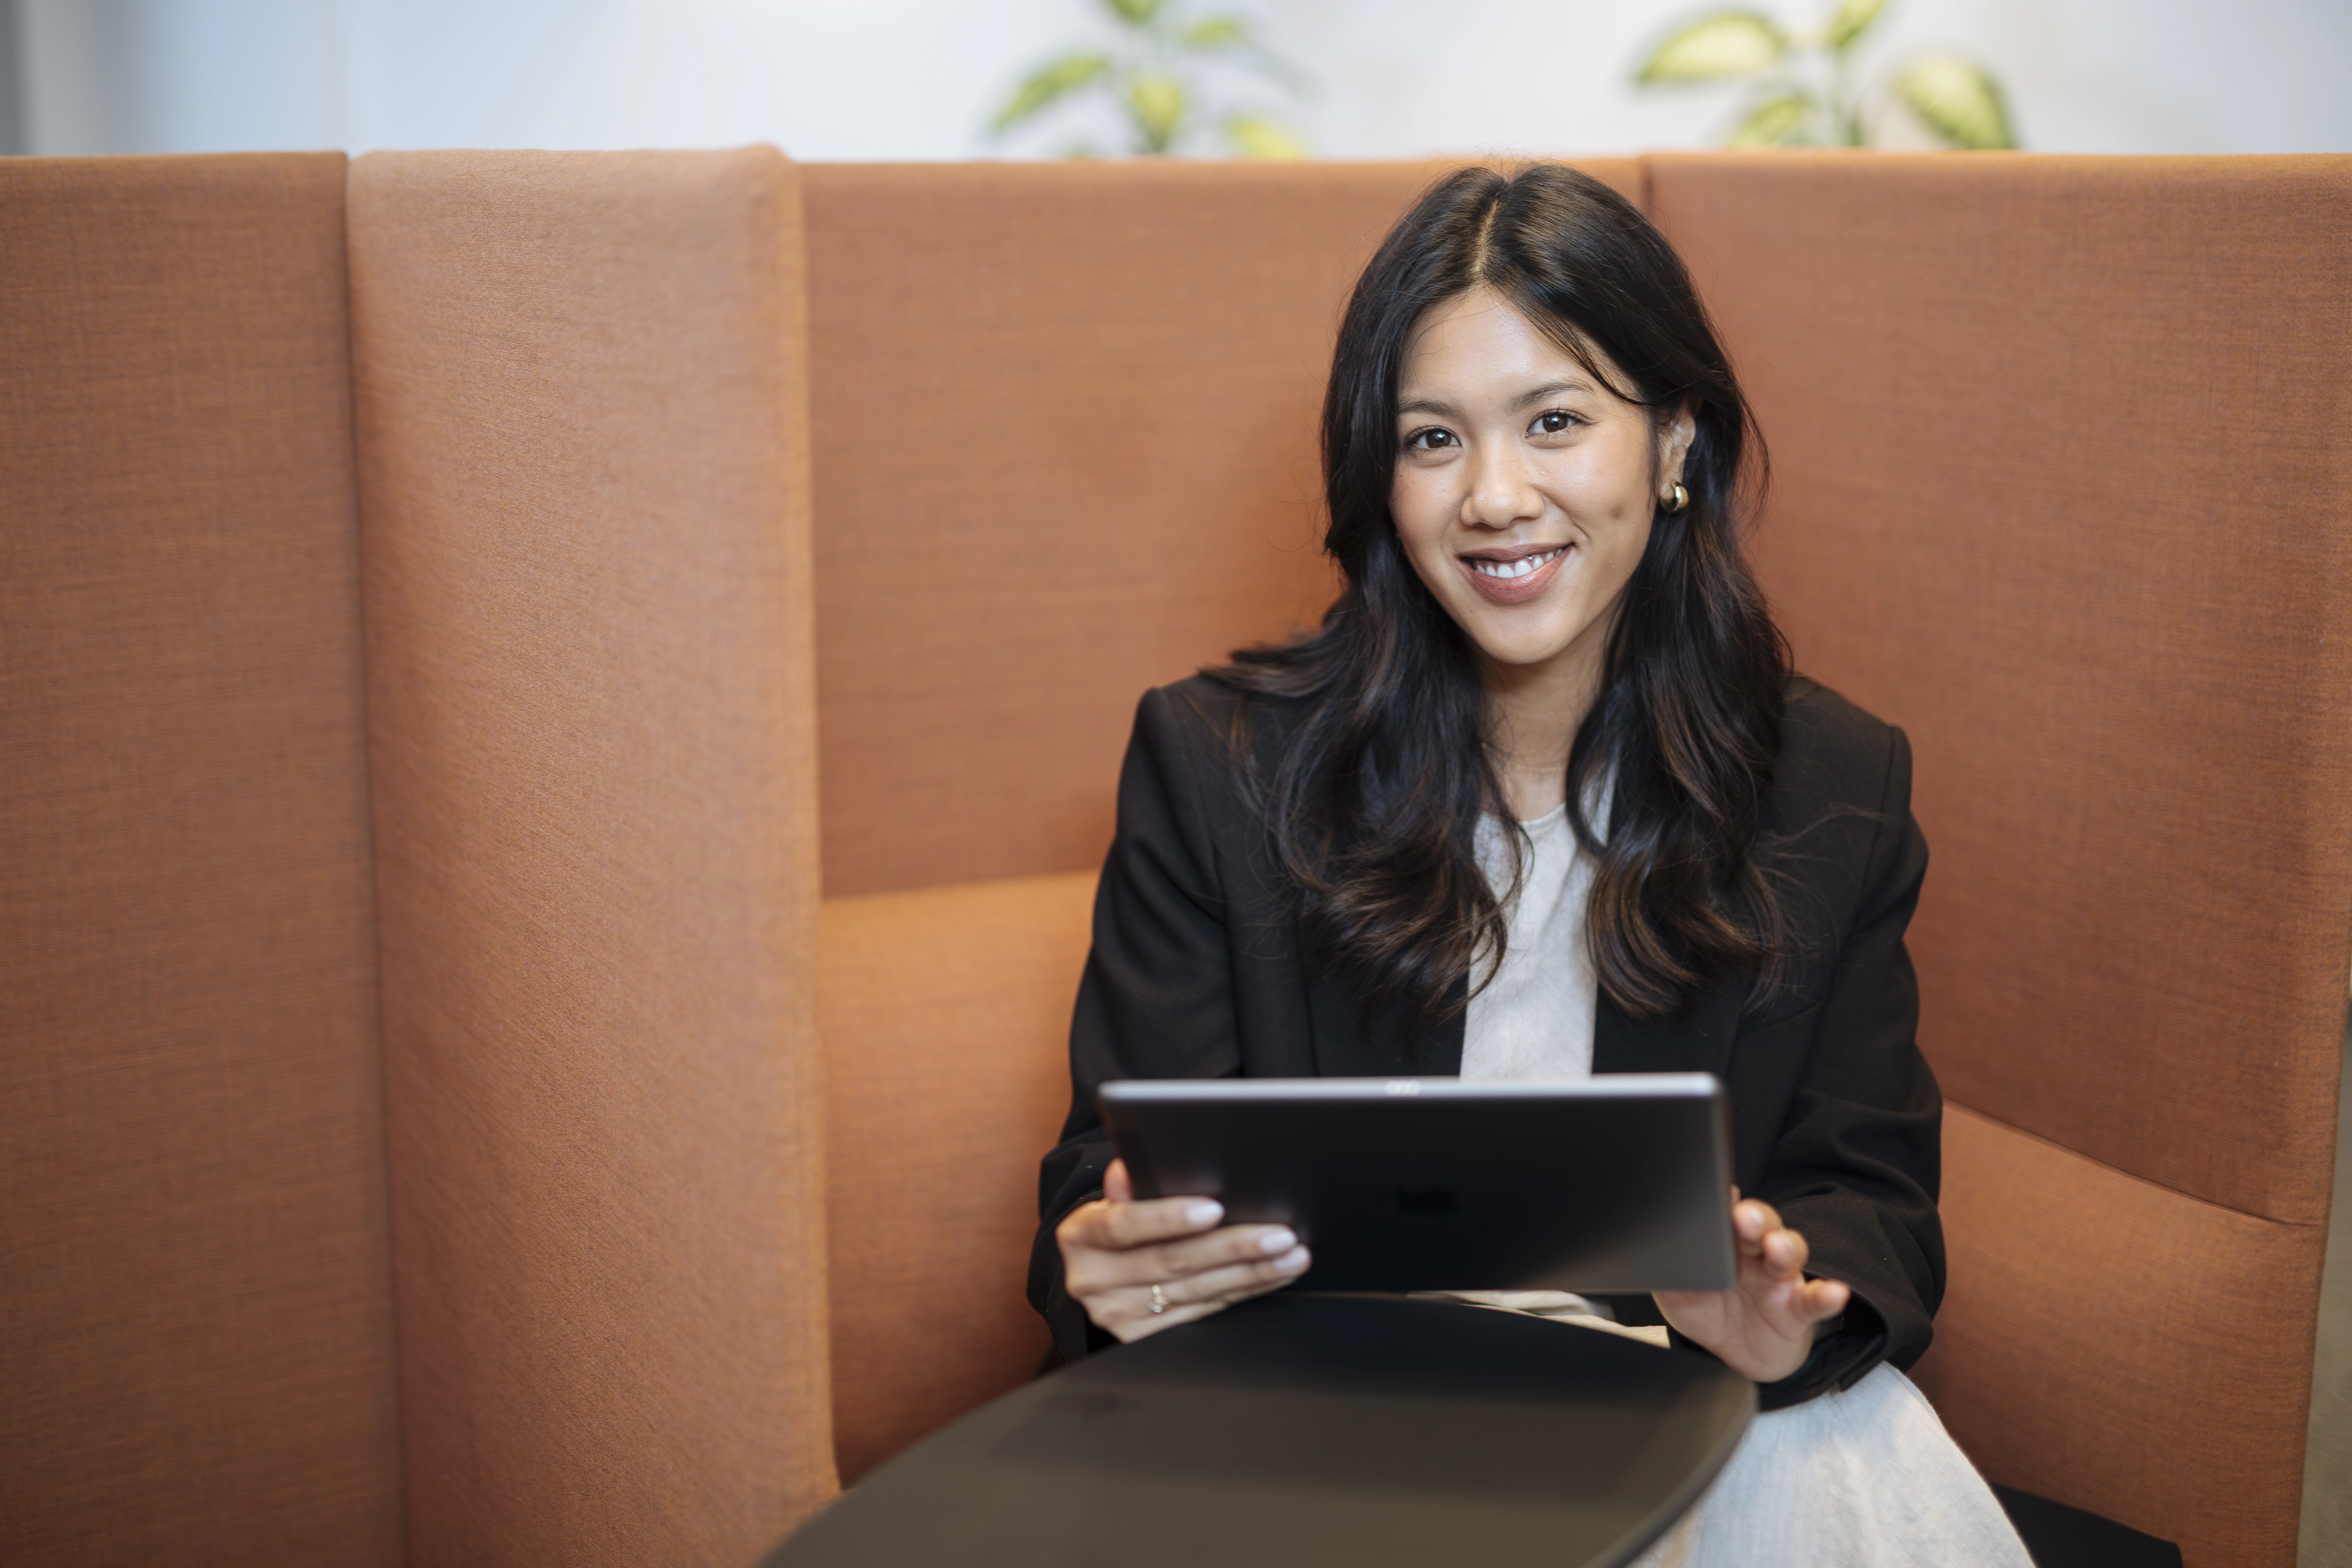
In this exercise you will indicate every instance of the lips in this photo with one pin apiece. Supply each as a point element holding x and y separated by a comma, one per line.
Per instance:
<point>1514,577</point>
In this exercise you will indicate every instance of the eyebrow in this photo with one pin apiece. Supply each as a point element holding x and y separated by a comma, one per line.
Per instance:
<point>1549,390</point>
<point>1532,395</point>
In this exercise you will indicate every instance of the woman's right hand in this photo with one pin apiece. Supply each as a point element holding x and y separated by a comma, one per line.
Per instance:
<point>1115,1249</point>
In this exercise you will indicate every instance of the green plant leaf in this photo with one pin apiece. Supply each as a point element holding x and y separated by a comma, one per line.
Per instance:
<point>1852,20</point>
<point>1771,122</point>
<point>1048,86</point>
<point>1216,33</point>
<point>1959,99</point>
<point>1728,44</point>
<point>1139,12</point>
<point>1157,103</point>
<point>1254,136</point>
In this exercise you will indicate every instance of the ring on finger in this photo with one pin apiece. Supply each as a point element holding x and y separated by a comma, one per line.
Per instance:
<point>1160,1301</point>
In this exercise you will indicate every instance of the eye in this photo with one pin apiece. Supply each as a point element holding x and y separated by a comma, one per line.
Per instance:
<point>1431,439</point>
<point>1554,422</point>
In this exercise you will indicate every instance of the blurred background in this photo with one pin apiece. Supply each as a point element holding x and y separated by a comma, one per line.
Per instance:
<point>925,78</point>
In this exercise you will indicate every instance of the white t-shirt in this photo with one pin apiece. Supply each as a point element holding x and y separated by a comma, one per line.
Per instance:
<point>1534,1017</point>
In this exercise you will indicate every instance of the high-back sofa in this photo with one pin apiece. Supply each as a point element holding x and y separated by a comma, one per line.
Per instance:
<point>556,711</point>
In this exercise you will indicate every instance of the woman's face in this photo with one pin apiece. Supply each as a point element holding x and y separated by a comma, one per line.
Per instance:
<point>1523,488</point>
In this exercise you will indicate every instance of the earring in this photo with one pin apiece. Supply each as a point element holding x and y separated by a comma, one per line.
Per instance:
<point>1680,499</point>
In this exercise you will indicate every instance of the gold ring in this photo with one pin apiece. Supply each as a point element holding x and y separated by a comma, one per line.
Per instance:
<point>1159,1302</point>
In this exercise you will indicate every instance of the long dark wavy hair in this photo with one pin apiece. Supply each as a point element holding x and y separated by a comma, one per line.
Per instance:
<point>1374,803</point>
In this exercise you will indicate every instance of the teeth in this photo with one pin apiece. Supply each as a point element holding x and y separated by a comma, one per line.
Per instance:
<point>1511,569</point>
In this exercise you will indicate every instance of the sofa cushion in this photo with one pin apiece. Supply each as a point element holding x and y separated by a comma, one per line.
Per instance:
<point>946,1021</point>
<point>2099,1327</point>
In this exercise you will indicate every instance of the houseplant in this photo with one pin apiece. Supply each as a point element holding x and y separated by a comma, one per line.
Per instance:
<point>1172,81</point>
<point>1806,90</point>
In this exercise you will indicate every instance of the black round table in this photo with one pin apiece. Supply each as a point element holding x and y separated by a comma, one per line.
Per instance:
<point>1300,1429</point>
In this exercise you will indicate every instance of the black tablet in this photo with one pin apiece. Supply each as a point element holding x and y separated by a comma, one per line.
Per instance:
<point>1607,1186</point>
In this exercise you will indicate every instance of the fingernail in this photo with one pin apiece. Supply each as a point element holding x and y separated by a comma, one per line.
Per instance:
<point>1280,1239</point>
<point>1204,1213</point>
<point>1292,1261</point>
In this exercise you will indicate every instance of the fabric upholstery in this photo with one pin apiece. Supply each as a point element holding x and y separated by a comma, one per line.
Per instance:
<point>584,491</point>
<point>196,1328</point>
<point>2120,1346</point>
<point>2063,456</point>
<point>945,1018</point>
<point>1064,433</point>
<point>187,929</point>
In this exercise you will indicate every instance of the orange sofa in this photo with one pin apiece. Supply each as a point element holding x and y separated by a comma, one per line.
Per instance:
<point>559,710</point>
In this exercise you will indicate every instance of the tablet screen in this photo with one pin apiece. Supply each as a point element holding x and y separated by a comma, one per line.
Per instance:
<point>1607,1186</point>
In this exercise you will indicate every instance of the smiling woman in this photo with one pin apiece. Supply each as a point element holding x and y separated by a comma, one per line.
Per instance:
<point>1543,798</point>
<point>1478,416</point>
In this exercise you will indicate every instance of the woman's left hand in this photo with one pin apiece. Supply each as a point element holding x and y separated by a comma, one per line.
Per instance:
<point>1763,1328</point>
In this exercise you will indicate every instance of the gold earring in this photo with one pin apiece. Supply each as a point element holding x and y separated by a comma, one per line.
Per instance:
<point>1681,500</point>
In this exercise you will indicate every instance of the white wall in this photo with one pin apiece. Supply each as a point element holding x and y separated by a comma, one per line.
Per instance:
<point>915,79</point>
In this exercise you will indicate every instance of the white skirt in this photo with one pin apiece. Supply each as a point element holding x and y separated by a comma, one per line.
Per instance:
<point>1864,1478</point>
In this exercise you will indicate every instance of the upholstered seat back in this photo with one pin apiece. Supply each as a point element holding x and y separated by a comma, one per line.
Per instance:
<point>195,1301</point>
<point>464,812</point>
<point>584,516</point>
<point>2064,475</point>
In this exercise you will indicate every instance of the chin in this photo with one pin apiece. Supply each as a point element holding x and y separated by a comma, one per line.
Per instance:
<point>1515,653</point>
<point>1516,641</point>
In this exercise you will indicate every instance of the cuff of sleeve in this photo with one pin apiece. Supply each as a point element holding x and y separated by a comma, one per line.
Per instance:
<point>1838,1361</point>
<point>1075,1337</point>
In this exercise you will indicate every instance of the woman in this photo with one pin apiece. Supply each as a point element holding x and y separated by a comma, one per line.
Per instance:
<point>1542,798</point>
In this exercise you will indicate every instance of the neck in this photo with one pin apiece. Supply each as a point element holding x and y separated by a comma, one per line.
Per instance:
<point>1537,710</point>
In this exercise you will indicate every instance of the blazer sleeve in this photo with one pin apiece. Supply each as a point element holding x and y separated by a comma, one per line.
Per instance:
<point>1857,1163</point>
<point>1157,997</point>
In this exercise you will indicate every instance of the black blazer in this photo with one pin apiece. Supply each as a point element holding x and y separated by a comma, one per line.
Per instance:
<point>1195,973</point>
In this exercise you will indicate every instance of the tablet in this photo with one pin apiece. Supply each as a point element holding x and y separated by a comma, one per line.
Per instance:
<point>1607,1186</point>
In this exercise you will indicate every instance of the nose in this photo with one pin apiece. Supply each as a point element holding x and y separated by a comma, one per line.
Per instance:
<point>1501,492</point>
